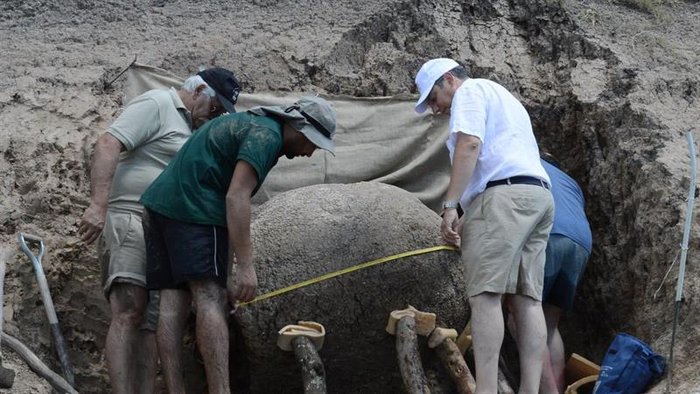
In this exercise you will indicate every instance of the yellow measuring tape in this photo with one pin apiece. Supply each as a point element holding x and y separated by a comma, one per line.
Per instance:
<point>347,271</point>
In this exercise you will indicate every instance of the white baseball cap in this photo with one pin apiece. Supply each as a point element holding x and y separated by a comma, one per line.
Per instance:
<point>426,77</point>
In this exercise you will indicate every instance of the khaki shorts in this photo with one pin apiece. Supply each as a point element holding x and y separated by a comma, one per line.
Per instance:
<point>122,253</point>
<point>504,240</point>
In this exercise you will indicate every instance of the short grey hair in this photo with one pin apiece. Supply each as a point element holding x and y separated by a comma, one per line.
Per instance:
<point>459,72</point>
<point>192,82</point>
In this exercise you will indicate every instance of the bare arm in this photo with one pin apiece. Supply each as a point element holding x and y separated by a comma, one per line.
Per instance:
<point>242,184</point>
<point>104,163</point>
<point>464,160</point>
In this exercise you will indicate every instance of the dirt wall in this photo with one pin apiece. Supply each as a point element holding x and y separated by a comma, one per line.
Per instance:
<point>611,89</point>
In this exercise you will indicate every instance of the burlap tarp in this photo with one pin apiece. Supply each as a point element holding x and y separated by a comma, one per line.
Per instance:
<point>379,139</point>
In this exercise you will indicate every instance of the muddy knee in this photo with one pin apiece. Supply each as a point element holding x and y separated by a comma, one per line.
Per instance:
<point>128,303</point>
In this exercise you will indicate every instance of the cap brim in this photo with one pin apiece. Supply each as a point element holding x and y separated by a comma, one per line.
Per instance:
<point>317,138</point>
<point>226,103</point>
<point>421,105</point>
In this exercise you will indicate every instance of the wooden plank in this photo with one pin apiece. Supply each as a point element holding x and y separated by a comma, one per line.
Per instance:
<point>579,367</point>
<point>581,386</point>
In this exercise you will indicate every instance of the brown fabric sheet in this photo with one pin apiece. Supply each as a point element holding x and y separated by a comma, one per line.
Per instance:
<point>379,139</point>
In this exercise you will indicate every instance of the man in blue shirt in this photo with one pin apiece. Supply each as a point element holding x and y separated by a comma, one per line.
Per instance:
<point>568,249</point>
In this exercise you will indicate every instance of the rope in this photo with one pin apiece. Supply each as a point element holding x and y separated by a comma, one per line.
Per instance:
<point>348,270</point>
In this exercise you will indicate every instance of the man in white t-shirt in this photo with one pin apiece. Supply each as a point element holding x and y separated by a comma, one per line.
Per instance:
<point>498,180</point>
<point>132,153</point>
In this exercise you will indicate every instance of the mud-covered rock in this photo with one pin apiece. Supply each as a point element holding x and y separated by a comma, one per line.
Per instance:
<point>312,231</point>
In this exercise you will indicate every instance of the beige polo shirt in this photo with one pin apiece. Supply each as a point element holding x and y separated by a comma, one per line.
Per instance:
<point>152,127</point>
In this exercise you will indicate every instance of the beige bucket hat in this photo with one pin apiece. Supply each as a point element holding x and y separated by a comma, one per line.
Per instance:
<point>312,116</point>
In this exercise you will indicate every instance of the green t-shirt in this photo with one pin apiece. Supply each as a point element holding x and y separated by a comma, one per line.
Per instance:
<point>194,185</point>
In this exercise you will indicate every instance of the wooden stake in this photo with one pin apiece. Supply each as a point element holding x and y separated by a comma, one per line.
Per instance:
<point>35,364</point>
<point>456,367</point>
<point>464,341</point>
<point>7,376</point>
<point>306,339</point>
<point>312,370</point>
<point>424,321</point>
<point>410,364</point>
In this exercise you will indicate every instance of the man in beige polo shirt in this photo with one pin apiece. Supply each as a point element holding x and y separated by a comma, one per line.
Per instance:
<point>127,158</point>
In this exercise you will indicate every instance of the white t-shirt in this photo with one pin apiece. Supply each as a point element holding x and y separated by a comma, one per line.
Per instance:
<point>487,110</point>
<point>152,128</point>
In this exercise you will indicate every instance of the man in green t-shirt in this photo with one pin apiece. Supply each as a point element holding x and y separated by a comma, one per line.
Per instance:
<point>199,206</point>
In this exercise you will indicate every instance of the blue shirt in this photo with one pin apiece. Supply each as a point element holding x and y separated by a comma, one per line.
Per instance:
<point>569,214</point>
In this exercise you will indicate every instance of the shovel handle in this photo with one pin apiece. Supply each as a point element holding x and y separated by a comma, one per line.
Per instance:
<point>24,239</point>
<point>31,237</point>
<point>2,290</point>
<point>60,343</point>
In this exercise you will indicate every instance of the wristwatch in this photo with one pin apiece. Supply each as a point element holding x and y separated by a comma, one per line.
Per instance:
<point>450,204</point>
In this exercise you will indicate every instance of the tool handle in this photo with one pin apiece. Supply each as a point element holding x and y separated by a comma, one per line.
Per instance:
<point>2,291</point>
<point>24,238</point>
<point>46,297</point>
<point>31,237</point>
<point>60,344</point>
<point>39,271</point>
<point>35,364</point>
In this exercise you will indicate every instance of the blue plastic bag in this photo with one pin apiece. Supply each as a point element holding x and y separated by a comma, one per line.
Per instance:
<point>629,366</point>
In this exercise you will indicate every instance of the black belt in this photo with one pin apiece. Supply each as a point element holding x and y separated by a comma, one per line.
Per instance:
<point>519,180</point>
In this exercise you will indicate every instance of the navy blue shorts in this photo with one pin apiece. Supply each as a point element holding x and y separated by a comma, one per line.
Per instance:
<point>566,260</point>
<point>179,252</point>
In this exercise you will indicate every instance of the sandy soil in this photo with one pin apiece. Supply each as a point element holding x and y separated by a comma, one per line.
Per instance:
<point>611,90</point>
